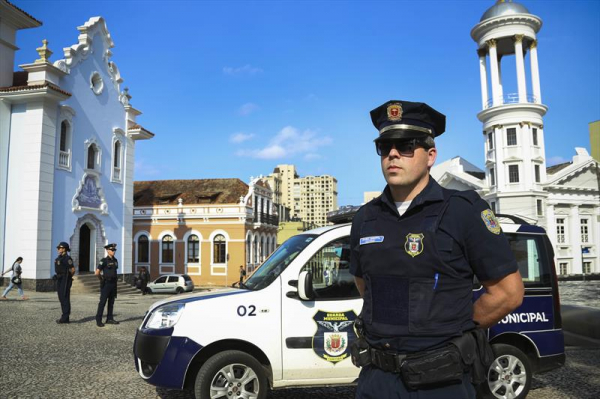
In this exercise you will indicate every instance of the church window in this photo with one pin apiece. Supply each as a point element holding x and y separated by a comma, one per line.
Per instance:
<point>513,173</point>
<point>511,136</point>
<point>493,206</point>
<point>492,176</point>
<point>96,83</point>
<point>167,249</point>
<point>117,159</point>
<point>560,230</point>
<point>534,136</point>
<point>91,156</point>
<point>585,237</point>
<point>193,249</point>
<point>143,249</point>
<point>64,154</point>
<point>219,249</point>
<point>540,209</point>
<point>491,141</point>
<point>537,173</point>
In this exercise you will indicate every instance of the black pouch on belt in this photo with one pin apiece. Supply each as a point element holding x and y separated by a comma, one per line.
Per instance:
<point>360,352</point>
<point>433,368</point>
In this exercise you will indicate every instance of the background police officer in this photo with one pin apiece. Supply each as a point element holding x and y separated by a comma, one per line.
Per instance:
<point>108,287</point>
<point>414,252</point>
<point>64,269</point>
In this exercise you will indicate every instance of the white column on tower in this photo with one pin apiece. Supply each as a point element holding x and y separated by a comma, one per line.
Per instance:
<point>496,96</point>
<point>521,85</point>
<point>535,72</point>
<point>483,75</point>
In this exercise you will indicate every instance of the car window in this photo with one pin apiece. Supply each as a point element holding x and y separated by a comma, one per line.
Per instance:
<point>161,280</point>
<point>186,278</point>
<point>533,262</point>
<point>173,279</point>
<point>330,271</point>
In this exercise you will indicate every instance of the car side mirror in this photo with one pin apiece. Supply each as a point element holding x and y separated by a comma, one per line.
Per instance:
<point>305,286</point>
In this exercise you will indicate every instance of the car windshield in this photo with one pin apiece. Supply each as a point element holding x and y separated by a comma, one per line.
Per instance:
<point>278,261</point>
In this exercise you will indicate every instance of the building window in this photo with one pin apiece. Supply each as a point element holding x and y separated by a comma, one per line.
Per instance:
<point>492,176</point>
<point>540,209</point>
<point>513,173</point>
<point>193,249</point>
<point>585,237</point>
<point>563,268</point>
<point>536,169</point>
<point>560,230</point>
<point>64,155</point>
<point>511,136</point>
<point>587,267</point>
<point>91,156</point>
<point>117,161</point>
<point>143,249</point>
<point>534,136</point>
<point>491,141</point>
<point>219,247</point>
<point>493,206</point>
<point>167,249</point>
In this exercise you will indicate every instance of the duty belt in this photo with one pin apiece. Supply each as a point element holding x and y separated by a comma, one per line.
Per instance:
<point>386,361</point>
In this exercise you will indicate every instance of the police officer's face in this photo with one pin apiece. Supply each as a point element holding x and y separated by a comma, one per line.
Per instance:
<point>404,171</point>
<point>61,250</point>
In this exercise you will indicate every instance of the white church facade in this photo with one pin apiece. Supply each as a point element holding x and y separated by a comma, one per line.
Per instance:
<point>67,145</point>
<point>565,198</point>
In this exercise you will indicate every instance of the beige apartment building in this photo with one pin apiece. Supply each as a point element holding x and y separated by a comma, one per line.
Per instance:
<point>308,198</point>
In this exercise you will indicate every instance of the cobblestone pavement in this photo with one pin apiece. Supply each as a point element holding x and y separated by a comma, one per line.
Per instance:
<point>40,359</point>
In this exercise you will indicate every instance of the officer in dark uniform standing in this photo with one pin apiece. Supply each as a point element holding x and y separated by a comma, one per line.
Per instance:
<point>107,273</point>
<point>64,269</point>
<point>415,250</point>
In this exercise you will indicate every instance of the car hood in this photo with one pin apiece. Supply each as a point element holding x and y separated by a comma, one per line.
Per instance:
<point>199,296</point>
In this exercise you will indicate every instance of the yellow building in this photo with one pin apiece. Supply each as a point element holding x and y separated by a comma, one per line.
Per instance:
<point>204,228</point>
<point>595,140</point>
<point>290,229</point>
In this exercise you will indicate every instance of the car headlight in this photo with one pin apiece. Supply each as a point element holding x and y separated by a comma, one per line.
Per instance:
<point>165,316</point>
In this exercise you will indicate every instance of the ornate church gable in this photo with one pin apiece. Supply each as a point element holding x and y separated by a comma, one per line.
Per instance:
<point>91,32</point>
<point>584,176</point>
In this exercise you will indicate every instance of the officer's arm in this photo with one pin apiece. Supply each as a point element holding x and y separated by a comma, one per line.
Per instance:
<point>360,284</point>
<point>502,296</point>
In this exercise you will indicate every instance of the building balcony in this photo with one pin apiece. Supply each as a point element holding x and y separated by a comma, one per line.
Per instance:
<point>511,98</point>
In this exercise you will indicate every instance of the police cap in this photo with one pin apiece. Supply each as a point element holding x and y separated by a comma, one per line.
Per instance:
<point>398,119</point>
<point>64,245</point>
<point>112,247</point>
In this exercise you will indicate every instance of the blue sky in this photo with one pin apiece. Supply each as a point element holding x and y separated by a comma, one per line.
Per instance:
<point>231,89</point>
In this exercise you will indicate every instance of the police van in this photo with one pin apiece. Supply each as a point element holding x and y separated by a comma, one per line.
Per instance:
<point>291,324</point>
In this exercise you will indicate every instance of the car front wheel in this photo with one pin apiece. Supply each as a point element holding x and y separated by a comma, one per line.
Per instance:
<point>510,375</point>
<point>231,374</point>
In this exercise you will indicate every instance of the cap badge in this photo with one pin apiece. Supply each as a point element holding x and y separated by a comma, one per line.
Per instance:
<point>394,112</point>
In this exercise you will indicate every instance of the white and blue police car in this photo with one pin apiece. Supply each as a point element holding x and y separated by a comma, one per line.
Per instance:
<point>291,323</point>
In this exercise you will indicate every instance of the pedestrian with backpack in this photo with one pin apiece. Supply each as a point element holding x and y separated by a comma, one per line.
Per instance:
<point>15,279</point>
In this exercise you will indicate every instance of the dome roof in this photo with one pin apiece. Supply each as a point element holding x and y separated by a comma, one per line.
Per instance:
<point>504,8</point>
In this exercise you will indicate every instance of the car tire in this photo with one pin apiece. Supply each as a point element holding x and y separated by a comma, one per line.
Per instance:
<point>231,374</point>
<point>509,376</point>
<point>179,290</point>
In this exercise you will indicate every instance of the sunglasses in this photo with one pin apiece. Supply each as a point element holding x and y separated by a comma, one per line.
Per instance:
<point>405,148</point>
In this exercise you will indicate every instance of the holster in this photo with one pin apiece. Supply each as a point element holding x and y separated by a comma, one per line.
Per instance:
<point>440,367</point>
<point>102,282</point>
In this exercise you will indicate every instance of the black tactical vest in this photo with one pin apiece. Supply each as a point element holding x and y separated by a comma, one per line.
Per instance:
<point>409,290</point>
<point>110,268</point>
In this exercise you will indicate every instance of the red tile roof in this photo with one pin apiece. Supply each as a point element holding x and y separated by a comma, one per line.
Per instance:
<point>34,87</point>
<point>196,191</point>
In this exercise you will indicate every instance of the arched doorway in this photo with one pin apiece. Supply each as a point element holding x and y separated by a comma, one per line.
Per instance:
<point>84,248</point>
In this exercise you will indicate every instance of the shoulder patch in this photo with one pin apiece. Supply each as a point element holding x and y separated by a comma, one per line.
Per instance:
<point>70,262</point>
<point>491,222</point>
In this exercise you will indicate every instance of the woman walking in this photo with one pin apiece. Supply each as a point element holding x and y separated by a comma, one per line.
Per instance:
<point>15,279</point>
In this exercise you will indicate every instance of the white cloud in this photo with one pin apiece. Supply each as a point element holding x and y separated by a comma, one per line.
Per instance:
<point>240,137</point>
<point>241,71</point>
<point>556,160</point>
<point>289,142</point>
<point>247,109</point>
<point>312,156</point>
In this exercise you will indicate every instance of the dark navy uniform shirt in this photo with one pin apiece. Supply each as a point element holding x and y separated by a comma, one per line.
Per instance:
<point>450,237</point>
<point>62,264</point>
<point>109,267</point>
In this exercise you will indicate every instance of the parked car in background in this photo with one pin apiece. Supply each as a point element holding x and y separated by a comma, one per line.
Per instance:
<point>171,284</point>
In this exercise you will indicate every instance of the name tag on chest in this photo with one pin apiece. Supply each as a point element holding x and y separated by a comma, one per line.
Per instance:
<point>371,240</point>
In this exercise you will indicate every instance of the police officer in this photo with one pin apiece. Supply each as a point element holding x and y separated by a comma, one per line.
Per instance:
<point>415,250</point>
<point>64,269</point>
<point>107,273</point>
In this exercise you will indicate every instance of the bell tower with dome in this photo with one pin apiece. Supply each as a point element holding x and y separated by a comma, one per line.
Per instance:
<point>513,128</point>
